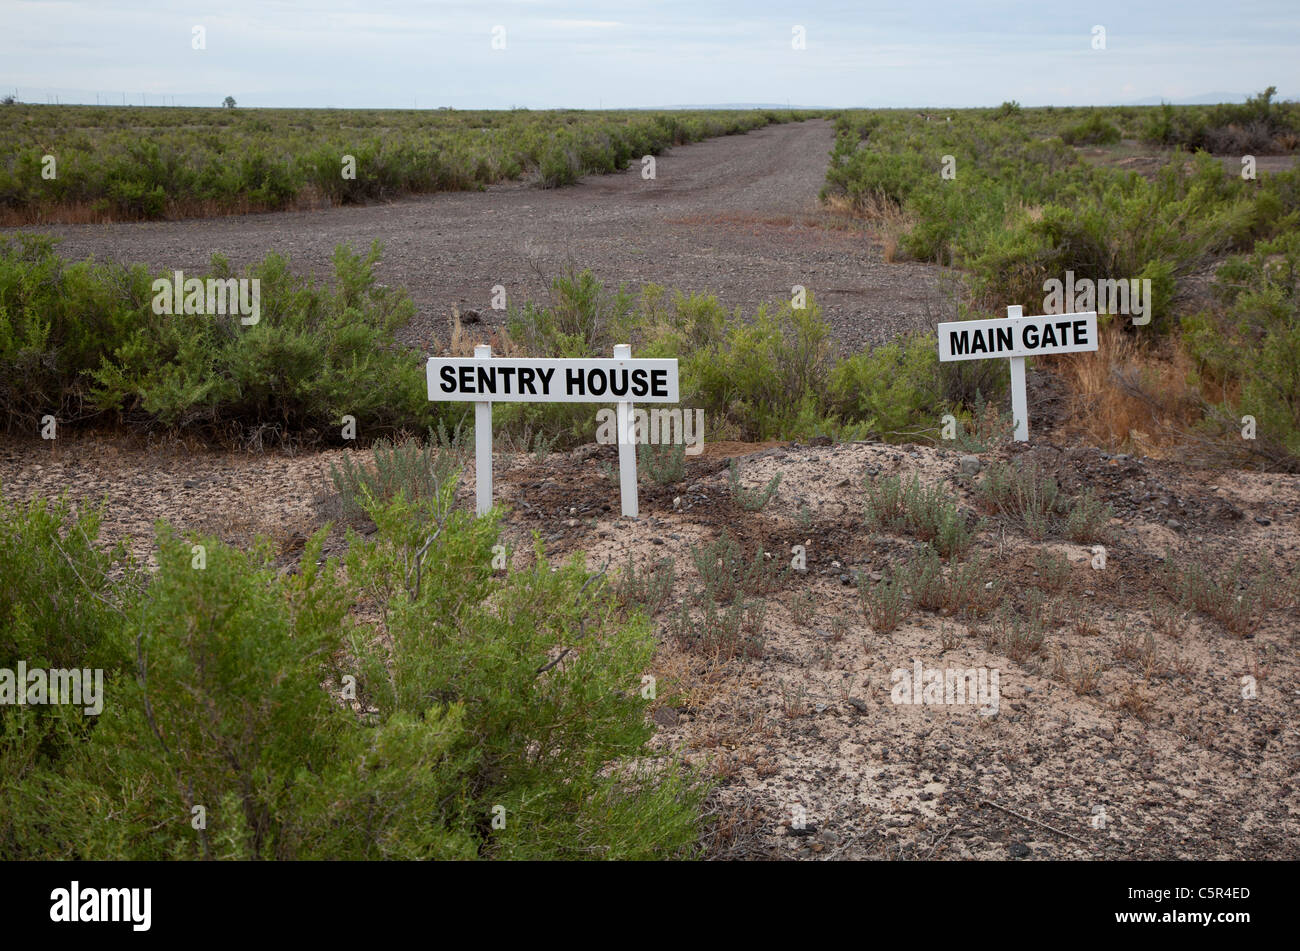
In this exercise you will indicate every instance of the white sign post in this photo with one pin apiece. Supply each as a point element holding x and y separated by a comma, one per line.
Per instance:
<point>621,380</point>
<point>1018,337</point>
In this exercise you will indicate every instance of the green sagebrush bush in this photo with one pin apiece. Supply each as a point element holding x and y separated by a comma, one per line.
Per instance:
<point>82,339</point>
<point>226,690</point>
<point>776,376</point>
<point>1022,207</point>
<point>134,163</point>
<point>1248,344</point>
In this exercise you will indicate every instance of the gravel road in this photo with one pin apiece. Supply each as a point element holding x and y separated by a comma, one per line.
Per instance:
<point>736,216</point>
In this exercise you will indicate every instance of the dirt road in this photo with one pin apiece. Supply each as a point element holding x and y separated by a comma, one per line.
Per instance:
<point>736,216</point>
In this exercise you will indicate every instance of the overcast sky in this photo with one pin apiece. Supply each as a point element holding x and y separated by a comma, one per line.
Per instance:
<point>402,53</point>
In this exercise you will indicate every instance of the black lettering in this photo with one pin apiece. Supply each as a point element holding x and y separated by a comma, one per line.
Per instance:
<point>1049,336</point>
<point>487,380</point>
<point>979,345</point>
<point>1005,339</point>
<point>448,374</point>
<point>1029,336</point>
<point>526,381</point>
<point>958,341</point>
<point>639,382</point>
<point>597,374</point>
<point>545,373</point>
<point>506,374</point>
<point>658,382</point>
<point>467,379</point>
<point>1081,332</point>
<point>615,389</point>
<point>574,382</point>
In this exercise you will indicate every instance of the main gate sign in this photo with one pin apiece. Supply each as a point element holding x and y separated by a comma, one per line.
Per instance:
<point>1018,337</point>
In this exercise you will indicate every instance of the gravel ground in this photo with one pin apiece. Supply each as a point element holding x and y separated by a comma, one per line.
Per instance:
<point>736,216</point>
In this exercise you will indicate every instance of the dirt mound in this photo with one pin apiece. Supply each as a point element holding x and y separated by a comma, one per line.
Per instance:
<point>1129,731</point>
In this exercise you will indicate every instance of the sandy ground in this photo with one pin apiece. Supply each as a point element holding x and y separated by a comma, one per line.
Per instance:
<point>1161,758</point>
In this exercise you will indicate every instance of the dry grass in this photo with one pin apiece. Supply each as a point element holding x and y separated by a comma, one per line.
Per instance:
<point>309,198</point>
<point>1126,397</point>
<point>461,340</point>
<point>889,222</point>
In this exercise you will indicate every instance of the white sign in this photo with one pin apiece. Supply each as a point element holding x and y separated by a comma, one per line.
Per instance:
<point>485,380</point>
<point>1018,337</point>
<point>524,380</point>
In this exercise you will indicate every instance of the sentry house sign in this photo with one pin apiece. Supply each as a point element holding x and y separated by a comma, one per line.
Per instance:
<point>512,380</point>
<point>485,380</point>
<point>1018,337</point>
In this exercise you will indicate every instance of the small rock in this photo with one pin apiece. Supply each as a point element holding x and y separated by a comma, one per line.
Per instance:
<point>1262,520</point>
<point>970,464</point>
<point>666,716</point>
<point>1018,850</point>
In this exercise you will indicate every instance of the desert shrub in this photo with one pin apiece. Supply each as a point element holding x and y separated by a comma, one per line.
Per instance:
<point>665,465</point>
<point>463,692</point>
<point>1236,595</point>
<point>82,340</point>
<point>648,590</point>
<point>1248,344</point>
<point>927,512</point>
<point>750,500</point>
<point>1088,519</point>
<point>973,589</point>
<point>58,321</point>
<point>720,634</point>
<point>1018,637</point>
<point>1093,130</point>
<point>411,468</point>
<point>967,588</point>
<point>922,575</point>
<point>726,574</point>
<point>758,373</point>
<point>63,602</point>
<point>1053,571</point>
<point>1025,494</point>
<point>895,390</point>
<point>1030,497</point>
<point>132,163</point>
<point>1255,126</point>
<point>885,603</point>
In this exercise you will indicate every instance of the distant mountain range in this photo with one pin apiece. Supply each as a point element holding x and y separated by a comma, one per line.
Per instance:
<point>1203,99</point>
